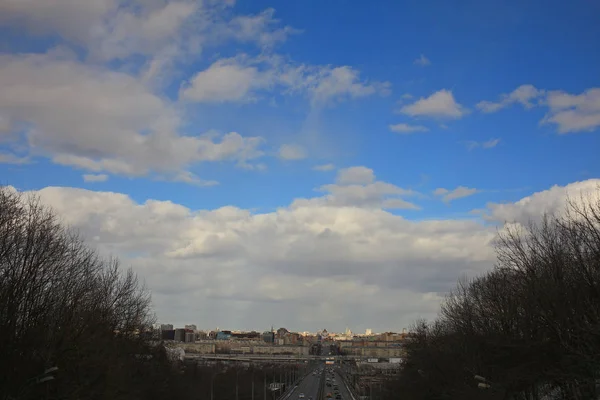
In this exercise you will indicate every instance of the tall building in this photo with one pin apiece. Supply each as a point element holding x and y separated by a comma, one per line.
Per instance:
<point>180,335</point>
<point>368,332</point>
<point>166,327</point>
<point>191,327</point>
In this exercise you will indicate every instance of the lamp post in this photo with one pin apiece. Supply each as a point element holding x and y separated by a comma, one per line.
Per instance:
<point>483,382</point>
<point>42,378</point>
<point>212,381</point>
<point>265,385</point>
<point>486,384</point>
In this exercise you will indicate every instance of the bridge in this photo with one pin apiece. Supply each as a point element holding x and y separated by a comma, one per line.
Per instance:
<point>277,357</point>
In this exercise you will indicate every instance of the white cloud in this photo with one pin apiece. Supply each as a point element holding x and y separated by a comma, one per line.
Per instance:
<point>324,167</point>
<point>422,61</point>
<point>95,177</point>
<point>440,104</point>
<point>523,95</point>
<point>226,80</point>
<point>574,113</point>
<point>104,121</point>
<point>164,34</point>
<point>569,112</point>
<point>260,28</point>
<point>489,144</point>
<point>355,175</point>
<point>107,28</point>
<point>406,128</point>
<point>358,187</point>
<point>457,193</point>
<point>292,152</point>
<point>243,78</point>
<point>7,158</point>
<point>330,84</point>
<point>551,201</point>
<point>364,263</point>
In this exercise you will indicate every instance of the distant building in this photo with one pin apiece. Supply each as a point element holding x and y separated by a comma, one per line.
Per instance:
<point>368,332</point>
<point>245,335</point>
<point>281,332</point>
<point>268,337</point>
<point>191,327</point>
<point>223,335</point>
<point>190,337</point>
<point>166,327</point>
<point>180,335</point>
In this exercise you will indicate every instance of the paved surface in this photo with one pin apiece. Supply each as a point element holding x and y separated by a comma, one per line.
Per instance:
<point>344,392</point>
<point>309,386</point>
<point>343,389</point>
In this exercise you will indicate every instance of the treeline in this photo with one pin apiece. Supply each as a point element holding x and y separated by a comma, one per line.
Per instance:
<point>65,309</point>
<point>529,329</point>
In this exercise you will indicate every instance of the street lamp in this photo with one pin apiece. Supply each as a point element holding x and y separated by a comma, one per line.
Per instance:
<point>212,381</point>
<point>483,382</point>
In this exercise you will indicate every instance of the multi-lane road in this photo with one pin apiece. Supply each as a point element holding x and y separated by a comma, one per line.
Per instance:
<point>309,387</point>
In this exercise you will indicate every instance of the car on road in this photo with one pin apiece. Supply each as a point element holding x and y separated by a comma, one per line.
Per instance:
<point>301,396</point>
<point>338,397</point>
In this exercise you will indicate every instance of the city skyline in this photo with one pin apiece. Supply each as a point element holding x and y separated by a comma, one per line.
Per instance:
<point>302,164</point>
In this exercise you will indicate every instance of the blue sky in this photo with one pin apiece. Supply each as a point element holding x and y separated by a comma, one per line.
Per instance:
<point>455,106</point>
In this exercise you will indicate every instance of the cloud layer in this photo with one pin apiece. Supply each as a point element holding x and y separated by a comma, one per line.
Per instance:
<point>229,267</point>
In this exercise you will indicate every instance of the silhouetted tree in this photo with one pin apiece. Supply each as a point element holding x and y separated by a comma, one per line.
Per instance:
<point>531,326</point>
<point>61,305</point>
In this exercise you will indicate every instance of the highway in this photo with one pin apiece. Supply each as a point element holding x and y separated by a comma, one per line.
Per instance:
<point>343,389</point>
<point>309,386</point>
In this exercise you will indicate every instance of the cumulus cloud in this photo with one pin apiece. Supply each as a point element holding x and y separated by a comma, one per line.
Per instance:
<point>7,158</point>
<point>292,152</point>
<point>95,177</point>
<point>422,61</point>
<point>524,95</point>
<point>339,83</point>
<point>406,128</point>
<point>119,29</point>
<point>104,121</point>
<point>574,113</point>
<point>244,78</point>
<point>225,80</point>
<point>358,187</point>
<point>458,193</point>
<point>261,28</point>
<point>355,175</point>
<point>569,112</point>
<point>109,29</point>
<point>550,201</point>
<point>440,104</point>
<point>242,268</point>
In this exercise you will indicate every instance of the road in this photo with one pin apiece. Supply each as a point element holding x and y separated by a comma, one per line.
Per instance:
<point>343,389</point>
<point>309,386</point>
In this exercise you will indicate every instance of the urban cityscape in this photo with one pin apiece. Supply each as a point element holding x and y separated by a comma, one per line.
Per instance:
<point>299,200</point>
<point>363,363</point>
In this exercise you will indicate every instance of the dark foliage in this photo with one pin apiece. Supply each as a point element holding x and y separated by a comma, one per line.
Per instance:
<point>61,305</point>
<point>530,327</point>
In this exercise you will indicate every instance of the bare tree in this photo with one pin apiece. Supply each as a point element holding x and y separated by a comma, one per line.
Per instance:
<point>62,305</point>
<point>530,326</point>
